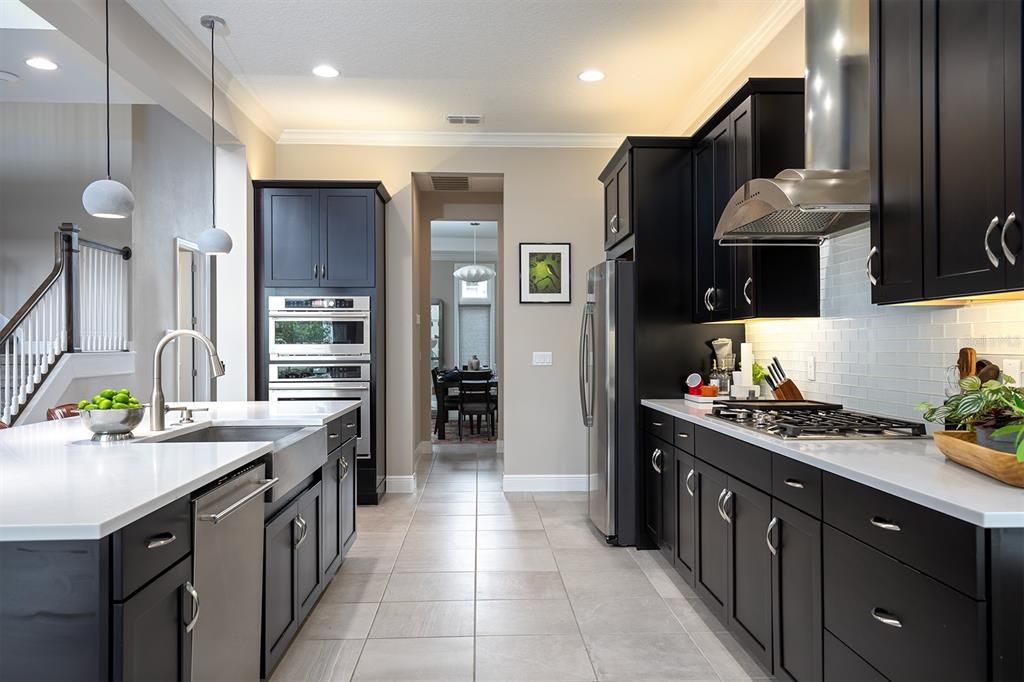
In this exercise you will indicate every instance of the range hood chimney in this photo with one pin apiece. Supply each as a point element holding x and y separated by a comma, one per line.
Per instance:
<point>831,195</point>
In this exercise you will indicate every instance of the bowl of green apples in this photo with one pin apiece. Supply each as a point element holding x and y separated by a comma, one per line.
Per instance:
<point>111,414</point>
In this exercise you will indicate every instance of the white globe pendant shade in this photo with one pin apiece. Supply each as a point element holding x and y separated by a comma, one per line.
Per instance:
<point>474,273</point>
<point>108,198</point>
<point>215,241</point>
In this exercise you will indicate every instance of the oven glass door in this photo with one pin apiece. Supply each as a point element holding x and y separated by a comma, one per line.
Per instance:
<point>312,335</point>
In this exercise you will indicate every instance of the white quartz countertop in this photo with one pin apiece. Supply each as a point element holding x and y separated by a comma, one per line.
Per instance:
<point>57,485</point>
<point>913,469</point>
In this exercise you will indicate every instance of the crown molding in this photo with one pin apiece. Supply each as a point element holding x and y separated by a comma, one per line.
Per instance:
<point>377,138</point>
<point>164,21</point>
<point>732,67</point>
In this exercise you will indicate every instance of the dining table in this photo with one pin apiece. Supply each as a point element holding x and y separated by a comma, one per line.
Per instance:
<point>445,388</point>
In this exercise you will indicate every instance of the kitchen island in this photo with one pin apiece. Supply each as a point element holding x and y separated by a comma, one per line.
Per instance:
<point>104,547</point>
<point>856,559</point>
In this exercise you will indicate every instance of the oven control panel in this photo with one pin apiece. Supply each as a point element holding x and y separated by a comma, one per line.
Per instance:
<point>313,303</point>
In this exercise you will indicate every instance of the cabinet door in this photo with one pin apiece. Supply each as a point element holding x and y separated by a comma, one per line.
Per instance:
<point>654,451</point>
<point>722,143</point>
<point>750,570</point>
<point>347,238</point>
<point>150,641</point>
<point>623,184</point>
<point>291,237</point>
<point>1013,47</point>
<point>704,231</point>
<point>711,579</point>
<point>964,152</point>
<point>896,199</point>
<point>280,609</point>
<point>796,594</point>
<point>667,535</point>
<point>347,506</point>
<point>686,515</point>
<point>331,545</point>
<point>611,212</point>
<point>742,288</point>
<point>308,574</point>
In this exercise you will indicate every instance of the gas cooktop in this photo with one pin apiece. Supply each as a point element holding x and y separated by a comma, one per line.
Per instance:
<point>812,420</point>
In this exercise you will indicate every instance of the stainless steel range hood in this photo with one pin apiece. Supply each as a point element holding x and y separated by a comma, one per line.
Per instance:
<point>831,195</point>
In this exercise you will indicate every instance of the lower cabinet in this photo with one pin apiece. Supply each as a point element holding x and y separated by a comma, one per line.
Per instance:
<point>309,578</point>
<point>347,503</point>
<point>794,540</point>
<point>151,627</point>
<point>666,462</point>
<point>651,478</point>
<point>710,578</point>
<point>749,596</point>
<point>339,505</point>
<point>686,515</point>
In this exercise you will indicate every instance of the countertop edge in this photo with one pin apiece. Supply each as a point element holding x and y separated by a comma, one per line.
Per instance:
<point>981,518</point>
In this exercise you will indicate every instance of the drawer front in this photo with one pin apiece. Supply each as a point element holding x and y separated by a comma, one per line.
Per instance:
<point>349,426</point>
<point>683,435</point>
<point>146,548</point>
<point>797,484</point>
<point>741,460</point>
<point>842,665</point>
<point>334,438</point>
<point>933,633</point>
<point>948,549</point>
<point>658,424</point>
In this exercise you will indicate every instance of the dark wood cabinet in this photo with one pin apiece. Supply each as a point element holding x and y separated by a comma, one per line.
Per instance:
<point>347,238</point>
<point>280,606</point>
<point>749,594</point>
<point>151,629</point>
<point>309,577</point>
<point>946,149</point>
<point>331,547</point>
<point>666,462</point>
<point>758,133</point>
<point>686,515</point>
<point>618,222</point>
<point>651,479</point>
<point>797,632</point>
<point>291,237</point>
<point>347,503</point>
<point>711,580</point>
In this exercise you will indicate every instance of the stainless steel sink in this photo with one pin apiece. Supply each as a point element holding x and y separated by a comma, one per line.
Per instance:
<point>297,451</point>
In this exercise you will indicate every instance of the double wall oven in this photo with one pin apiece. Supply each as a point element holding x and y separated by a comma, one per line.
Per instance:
<point>320,350</point>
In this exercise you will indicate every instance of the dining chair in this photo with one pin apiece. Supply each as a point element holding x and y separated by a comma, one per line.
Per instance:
<point>476,400</point>
<point>445,402</point>
<point>62,411</point>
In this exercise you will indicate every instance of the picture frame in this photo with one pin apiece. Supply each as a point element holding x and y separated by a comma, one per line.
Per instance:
<point>545,272</point>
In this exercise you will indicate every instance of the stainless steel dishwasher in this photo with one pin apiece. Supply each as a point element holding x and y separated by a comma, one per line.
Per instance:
<point>228,567</point>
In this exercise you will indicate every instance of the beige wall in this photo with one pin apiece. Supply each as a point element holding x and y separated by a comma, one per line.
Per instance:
<point>549,195</point>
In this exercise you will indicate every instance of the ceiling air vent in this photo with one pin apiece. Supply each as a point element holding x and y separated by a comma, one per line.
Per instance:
<point>450,183</point>
<point>465,119</point>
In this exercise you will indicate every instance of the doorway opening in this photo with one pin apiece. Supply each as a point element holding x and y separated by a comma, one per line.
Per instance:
<point>193,310</point>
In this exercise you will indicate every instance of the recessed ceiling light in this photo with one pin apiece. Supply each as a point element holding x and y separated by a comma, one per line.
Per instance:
<point>8,77</point>
<point>591,76</point>
<point>325,71</point>
<point>41,63</point>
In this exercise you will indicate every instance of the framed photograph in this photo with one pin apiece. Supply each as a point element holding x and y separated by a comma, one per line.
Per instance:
<point>545,273</point>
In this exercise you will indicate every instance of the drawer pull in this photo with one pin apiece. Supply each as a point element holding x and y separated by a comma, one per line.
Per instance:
<point>768,535</point>
<point>723,499</point>
<point>350,426</point>
<point>884,524</point>
<point>683,435</point>
<point>302,526</point>
<point>654,459</point>
<point>885,618</point>
<point>332,436</point>
<point>189,626</point>
<point>793,483</point>
<point>658,424</point>
<point>160,540</point>
<point>689,482</point>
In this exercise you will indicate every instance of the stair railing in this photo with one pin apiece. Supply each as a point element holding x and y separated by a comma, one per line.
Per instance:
<point>81,306</point>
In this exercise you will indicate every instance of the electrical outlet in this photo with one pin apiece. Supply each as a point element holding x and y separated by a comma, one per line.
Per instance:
<point>1011,368</point>
<point>541,358</point>
<point>811,369</point>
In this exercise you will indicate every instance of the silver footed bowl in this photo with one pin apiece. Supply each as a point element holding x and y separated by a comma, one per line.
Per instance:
<point>110,425</point>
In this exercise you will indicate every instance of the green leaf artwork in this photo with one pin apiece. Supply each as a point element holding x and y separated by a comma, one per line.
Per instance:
<point>545,273</point>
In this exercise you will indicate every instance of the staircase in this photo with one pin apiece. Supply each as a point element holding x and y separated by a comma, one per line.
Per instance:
<point>80,307</point>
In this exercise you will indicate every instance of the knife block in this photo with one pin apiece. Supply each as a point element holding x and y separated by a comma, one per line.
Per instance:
<point>787,390</point>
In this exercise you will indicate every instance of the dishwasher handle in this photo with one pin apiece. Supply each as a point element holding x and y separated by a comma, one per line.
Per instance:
<point>266,485</point>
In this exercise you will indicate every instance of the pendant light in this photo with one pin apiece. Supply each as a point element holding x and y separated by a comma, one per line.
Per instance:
<point>108,198</point>
<point>474,272</point>
<point>213,240</point>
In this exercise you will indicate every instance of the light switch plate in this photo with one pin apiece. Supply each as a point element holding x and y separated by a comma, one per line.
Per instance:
<point>541,358</point>
<point>812,370</point>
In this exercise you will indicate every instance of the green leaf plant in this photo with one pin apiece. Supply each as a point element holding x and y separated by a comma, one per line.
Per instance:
<point>995,404</point>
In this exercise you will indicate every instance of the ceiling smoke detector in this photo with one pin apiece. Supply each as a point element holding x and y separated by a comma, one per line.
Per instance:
<point>465,119</point>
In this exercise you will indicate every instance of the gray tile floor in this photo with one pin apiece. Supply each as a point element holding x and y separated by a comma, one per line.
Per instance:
<point>461,581</point>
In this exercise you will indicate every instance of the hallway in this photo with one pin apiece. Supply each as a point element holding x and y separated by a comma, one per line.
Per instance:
<point>462,581</point>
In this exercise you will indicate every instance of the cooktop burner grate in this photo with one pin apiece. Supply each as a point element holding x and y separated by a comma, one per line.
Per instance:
<point>822,421</point>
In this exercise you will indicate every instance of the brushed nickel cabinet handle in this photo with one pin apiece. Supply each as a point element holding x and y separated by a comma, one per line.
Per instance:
<point>867,266</point>
<point>746,285</point>
<point>887,618</point>
<point>161,540</point>
<point>656,424</point>
<point>689,482</point>
<point>654,459</point>
<point>992,257</point>
<point>884,524</point>
<point>613,224</point>
<point>189,626</point>
<point>683,435</point>
<point>793,483</point>
<point>768,535</point>
<point>1011,257</point>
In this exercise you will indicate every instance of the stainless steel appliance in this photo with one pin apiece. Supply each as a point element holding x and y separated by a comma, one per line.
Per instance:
<point>326,380</point>
<point>812,420</point>
<point>608,400</point>
<point>302,326</point>
<point>228,567</point>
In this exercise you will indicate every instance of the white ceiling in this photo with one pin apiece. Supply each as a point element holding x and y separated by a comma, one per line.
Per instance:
<point>406,63</point>
<point>487,229</point>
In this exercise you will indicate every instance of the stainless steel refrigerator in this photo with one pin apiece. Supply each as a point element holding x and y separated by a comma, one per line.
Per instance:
<point>608,399</point>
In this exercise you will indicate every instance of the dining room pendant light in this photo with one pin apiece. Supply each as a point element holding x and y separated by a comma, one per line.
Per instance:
<point>108,198</point>
<point>213,240</point>
<point>474,272</point>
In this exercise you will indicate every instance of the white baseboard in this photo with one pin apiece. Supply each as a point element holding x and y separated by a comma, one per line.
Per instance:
<point>544,483</point>
<point>402,484</point>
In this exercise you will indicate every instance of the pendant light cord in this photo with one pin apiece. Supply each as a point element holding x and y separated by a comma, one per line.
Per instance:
<point>106,19</point>
<point>213,127</point>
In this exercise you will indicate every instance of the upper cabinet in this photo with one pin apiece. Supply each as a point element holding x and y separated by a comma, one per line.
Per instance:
<point>618,222</point>
<point>327,236</point>
<point>946,149</point>
<point>757,133</point>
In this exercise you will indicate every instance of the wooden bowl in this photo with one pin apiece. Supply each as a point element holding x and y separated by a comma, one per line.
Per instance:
<point>962,447</point>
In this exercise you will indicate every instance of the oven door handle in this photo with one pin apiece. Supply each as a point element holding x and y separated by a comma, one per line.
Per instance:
<point>300,385</point>
<point>331,315</point>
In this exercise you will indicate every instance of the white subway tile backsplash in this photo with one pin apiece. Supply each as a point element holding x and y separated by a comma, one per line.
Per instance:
<point>882,359</point>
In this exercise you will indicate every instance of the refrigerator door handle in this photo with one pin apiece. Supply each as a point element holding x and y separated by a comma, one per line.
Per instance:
<point>588,418</point>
